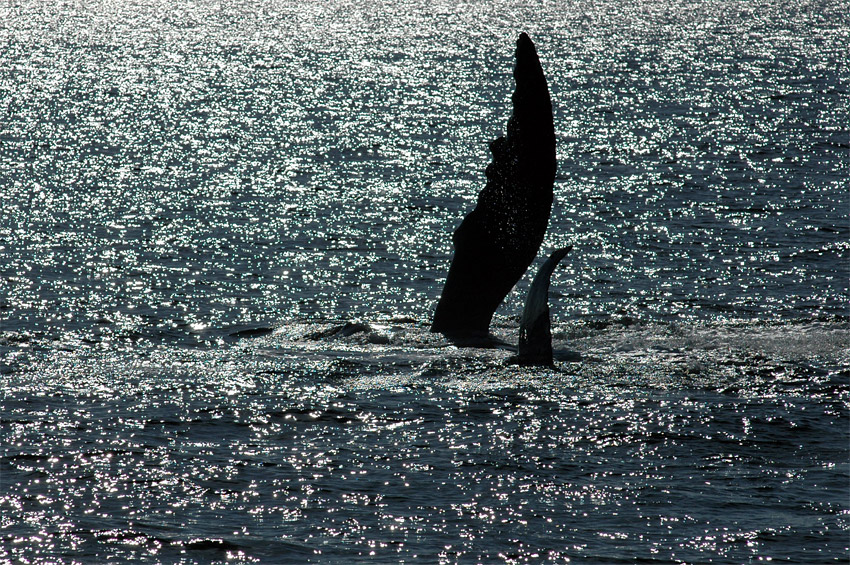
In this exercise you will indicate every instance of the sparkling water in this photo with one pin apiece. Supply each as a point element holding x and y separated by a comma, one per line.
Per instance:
<point>226,225</point>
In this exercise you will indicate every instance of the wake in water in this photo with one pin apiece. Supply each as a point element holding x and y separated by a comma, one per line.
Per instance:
<point>742,357</point>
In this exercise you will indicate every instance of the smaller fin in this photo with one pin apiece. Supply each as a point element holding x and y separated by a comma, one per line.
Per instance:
<point>535,337</point>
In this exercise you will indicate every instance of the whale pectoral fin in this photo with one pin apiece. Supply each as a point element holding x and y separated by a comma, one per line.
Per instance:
<point>557,255</point>
<point>498,240</point>
<point>535,337</point>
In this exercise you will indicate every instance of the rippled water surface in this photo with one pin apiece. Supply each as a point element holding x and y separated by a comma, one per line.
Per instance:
<point>225,227</point>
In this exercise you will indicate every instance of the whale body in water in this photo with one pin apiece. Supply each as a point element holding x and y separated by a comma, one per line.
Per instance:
<point>498,240</point>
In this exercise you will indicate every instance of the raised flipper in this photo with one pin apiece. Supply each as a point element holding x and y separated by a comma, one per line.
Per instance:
<point>499,239</point>
<point>535,337</point>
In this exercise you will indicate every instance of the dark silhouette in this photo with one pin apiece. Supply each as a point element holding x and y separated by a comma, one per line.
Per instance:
<point>498,240</point>
<point>535,338</point>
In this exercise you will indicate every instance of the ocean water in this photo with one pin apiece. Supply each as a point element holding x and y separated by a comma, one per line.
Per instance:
<point>225,227</point>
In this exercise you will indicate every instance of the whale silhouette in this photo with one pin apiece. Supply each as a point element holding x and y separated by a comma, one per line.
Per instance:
<point>498,240</point>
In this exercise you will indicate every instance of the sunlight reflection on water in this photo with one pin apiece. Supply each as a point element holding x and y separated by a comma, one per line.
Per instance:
<point>172,162</point>
<point>194,192</point>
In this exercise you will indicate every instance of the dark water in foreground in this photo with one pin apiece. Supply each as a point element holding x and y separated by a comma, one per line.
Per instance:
<point>723,445</point>
<point>198,197</point>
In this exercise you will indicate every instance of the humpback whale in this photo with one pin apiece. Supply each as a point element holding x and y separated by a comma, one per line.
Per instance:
<point>498,240</point>
<point>535,337</point>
